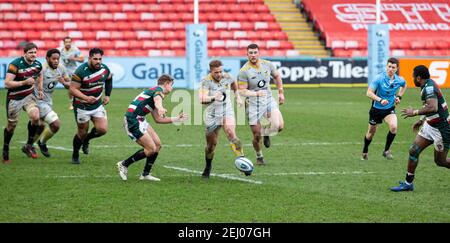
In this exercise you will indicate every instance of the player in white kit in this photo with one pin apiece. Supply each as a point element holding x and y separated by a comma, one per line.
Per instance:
<point>54,72</point>
<point>254,83</point>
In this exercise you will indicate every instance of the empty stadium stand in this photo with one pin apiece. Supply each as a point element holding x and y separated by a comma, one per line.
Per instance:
<point>140,27</point>
<point>417,28</point>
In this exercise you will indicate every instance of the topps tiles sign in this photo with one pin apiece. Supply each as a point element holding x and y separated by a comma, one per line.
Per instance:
<point>325,72</point>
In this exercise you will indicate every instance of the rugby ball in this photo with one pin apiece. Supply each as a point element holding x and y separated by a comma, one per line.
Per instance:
<point>245,165</point>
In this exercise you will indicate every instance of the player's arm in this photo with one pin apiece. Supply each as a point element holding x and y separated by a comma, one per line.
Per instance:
<point>64,79</point>
<point>206,99</point>
<point>11,75</point>
<point>279,83</point>
<point>371,94</point>
<point>235,88</point>
<point>78,57</point>
<point>108,89</point>
<point>431,106</point>
<point>40,85</point>
<point>401,92</point>
<point>74,90</point>
<point>166,120</point>
<point>243,87</point>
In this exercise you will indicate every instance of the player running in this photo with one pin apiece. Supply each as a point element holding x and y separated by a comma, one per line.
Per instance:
<point>140,131</point>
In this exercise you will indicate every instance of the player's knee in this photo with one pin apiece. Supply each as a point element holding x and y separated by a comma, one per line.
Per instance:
<point>54,127</point>
<point>414,152</point>
<point>393,129</point>
<point>158,146</point>
<point>11,126</point>
<point>211,147</point>
<point>101,131</point>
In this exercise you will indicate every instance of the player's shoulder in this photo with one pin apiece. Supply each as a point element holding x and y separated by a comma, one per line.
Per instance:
<point>401,78</point>
<point>227,76</point>
<point>265,62</point>
<point>61,67</point>
<point>17,61</point>
<point>245,67</point>
<point>105,66</point>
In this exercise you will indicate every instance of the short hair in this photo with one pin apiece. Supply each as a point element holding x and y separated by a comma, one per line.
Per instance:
<point>393,60</point>
<point>252,46</point>
<point>29,46</point>
<point>421,71</point>
<point>164,78</point>
<point>53,51</point>
<point>67,38</point>
<point>215,64</point>
<point>94,51</point>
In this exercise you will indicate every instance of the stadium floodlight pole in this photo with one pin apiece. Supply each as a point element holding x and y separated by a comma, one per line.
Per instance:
<point>378,11</point>
<point>195,11</point>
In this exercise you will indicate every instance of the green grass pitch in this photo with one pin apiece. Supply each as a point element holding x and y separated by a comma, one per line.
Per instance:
<point>314,172</point>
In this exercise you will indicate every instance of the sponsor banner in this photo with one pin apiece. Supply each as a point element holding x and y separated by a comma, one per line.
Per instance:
<point>439,70</point>
<point>322,72</point>
<point>378,51</point>
<point>141,72</point>
<point>197,53</point>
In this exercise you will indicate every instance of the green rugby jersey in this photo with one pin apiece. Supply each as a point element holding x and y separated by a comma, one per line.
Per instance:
<point>23,71</point>
<point>144,103</point>
<point>91,84</point>
<point>437,119</point>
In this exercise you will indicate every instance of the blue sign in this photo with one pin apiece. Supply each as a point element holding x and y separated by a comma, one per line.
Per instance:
<point>378,51</point>
<point>142,72</point>
<point>196,54</point>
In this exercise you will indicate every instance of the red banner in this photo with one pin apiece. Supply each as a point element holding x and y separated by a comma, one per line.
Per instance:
<point>407,19</point>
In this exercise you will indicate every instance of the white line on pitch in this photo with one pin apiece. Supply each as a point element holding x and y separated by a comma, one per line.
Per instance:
<point>319,173</point>
<point>226,176</point>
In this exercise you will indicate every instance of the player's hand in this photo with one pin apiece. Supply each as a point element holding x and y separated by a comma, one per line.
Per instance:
<point>281,98</point>
<point>29,81</point>
<point>105,100</point>
<point>384,102</point>
<point>218,96</point>
<point>91,100</point>
<point>40,95</point>
<point>261,93</point>
<point>182,117</point>
<point>161,112</point>
<point>239,101</point>
<point>408,112</point>
<point>416,126</point>
<point>397,100</point>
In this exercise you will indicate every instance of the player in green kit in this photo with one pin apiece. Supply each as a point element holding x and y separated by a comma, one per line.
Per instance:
<point>140,131</point>
<point>23,75</point>
<point>435,129</point>
<point>87,88</point>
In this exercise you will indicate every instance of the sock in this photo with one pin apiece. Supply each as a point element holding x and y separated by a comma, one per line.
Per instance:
<point>208,157</point>
<point>31,132</point>
<point>92,134</point>
<point>46,135</point>
<point>76,144</point>
<point>133,158</point>
<point>7,135</point>
<point>409,178</point>
<point>39,130</point>
<point>236,146</point>
<point>259,154</point>
<point>149,163</point>
<point>389,138</point>
<point>366,144</point>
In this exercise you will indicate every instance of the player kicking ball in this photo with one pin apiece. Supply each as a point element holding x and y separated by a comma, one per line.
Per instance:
<point>140,131</point>
<point>215,92</point>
